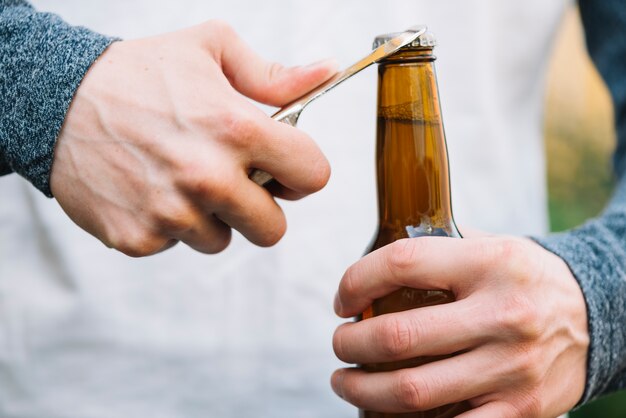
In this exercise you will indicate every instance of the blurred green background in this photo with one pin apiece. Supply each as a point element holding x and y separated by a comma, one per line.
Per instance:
<point>579,140</point>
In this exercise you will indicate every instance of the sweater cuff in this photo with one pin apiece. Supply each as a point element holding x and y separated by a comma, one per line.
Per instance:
<point>594,261</point>
<point>43,62</point>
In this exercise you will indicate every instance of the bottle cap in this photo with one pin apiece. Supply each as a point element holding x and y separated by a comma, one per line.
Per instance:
<point>426,40</point>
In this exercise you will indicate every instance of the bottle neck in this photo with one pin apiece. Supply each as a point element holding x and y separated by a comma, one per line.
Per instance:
<point>412,160</point>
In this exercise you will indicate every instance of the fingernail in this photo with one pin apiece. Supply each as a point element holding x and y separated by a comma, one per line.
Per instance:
<point>337,304</point>
<point>336,382</point>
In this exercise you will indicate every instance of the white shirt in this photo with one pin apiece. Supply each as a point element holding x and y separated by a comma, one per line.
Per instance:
<point>87,332</point>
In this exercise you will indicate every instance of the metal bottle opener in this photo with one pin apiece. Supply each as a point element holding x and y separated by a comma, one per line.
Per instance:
<point>291,112</point>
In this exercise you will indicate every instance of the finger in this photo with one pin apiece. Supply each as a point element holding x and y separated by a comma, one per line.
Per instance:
<point>289,155</point>
<point>282,192</point>
<point>433,263</point>
<point>258,142</point>
<point>169,244</point>
<point>496,409</point>
<point>208,235</point>
<point>251,210</point>
<point>430,331</point>
<point>422,388</point>
<point>265,81</point>
<point>136,239</point>
<point>185,220</point>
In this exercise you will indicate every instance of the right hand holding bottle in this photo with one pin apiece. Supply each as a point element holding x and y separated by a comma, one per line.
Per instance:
<point>159,141</point>
<point>514,343</point>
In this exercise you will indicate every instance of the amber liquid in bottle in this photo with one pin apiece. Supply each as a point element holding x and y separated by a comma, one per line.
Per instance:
<point>413,186</point>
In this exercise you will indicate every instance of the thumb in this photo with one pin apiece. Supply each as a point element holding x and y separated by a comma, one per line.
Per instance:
<point>265,81</point>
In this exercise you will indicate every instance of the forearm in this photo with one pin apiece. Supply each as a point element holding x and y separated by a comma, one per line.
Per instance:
<point>42,62</point>
<point>596,252</point>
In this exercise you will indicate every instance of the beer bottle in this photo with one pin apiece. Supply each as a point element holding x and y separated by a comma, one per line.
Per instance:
<point>413,181</point>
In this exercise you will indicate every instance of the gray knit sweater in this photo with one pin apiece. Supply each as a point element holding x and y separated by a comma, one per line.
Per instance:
<point>43,59</point>
<point>42,62</point>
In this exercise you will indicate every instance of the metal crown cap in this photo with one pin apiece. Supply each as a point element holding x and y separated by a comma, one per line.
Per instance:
<point>427,40</point>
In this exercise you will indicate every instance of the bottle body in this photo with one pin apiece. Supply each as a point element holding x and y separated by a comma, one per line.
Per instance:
<point>413,186</point>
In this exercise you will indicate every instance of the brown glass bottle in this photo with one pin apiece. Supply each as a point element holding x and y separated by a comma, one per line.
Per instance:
<point>413,182</point>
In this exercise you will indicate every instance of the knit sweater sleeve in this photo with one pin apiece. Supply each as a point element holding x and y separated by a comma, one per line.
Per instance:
<point>596,251</point>
<point>42,62</point>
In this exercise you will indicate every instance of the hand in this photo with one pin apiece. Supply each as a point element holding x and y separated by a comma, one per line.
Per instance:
<point>517,332</point>
<point>159,141</point>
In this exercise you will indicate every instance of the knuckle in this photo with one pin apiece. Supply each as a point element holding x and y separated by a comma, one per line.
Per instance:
<point>219,27</point>
<point>511,248</point>
<point>504,249</point>
<point>519,317</point>
<point>222,194</point>
<point>232,124</point>
<point>412,394</point>
<point>320,174</point>
<point>217,242</point>
<point>396,338</point>
<point>529,405</point>
<point>353,392</point>
<point>349,287</point>
<point>182,163</point>
<point>174,217</point>
<point>201,188</point>
<point>486,254</point>
<point>402,254</point>
<point>513,256</point>
<point>238,128</point>
<point>528,365</point>
<point>338,343</point>
<point>313,166</point>
<point>274,69</point>
<point>273,234</point>
<point>192,176</point>
<point>208,187</point>
<point>139,244</point>
<point>219,245</point>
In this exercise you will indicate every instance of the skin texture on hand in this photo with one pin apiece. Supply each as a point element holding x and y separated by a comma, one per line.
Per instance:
<point>517,331</point>
<point>160,138</point>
